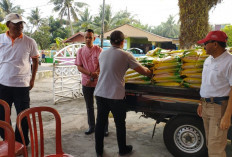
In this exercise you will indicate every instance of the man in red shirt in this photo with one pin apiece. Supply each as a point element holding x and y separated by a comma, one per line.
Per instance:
<point>87,63</point>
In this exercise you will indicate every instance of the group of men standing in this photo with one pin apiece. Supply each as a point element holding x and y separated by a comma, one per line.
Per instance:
<point>103,77</point>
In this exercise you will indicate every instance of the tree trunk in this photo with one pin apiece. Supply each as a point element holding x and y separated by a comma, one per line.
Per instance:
<point>194,17</point>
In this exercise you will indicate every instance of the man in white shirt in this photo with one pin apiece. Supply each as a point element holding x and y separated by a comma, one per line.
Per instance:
<point>16,76</point>
<point>216,103</point>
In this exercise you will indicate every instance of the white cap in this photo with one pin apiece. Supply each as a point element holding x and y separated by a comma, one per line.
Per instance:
<point>14,18</point>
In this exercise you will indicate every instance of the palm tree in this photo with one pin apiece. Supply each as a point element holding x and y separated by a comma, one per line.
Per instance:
<point>85,20</point>
<point>111,21</point>
<point>68,8</point>
<point>35,18</point>
<point>108,20</point>
<point>7,7</point>
<point>170,28</point>
<point>124,17</point>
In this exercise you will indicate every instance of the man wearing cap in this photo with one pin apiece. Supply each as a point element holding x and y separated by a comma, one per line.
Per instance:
<point>16,78</point>
<point>216,102</point>
<point>110,91</point>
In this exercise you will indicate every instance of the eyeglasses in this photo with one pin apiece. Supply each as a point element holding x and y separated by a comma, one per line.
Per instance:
<point>210,41</point>
<point>19,23</point>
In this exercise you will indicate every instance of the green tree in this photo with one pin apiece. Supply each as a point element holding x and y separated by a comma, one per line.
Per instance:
<point>111,21</point>
<point>85,20</point>
<point>167,29</point>
<point>143,27</point>
<point>42,37</point>
<point>3,28</point>
<point>57,29</point>
<point>68,8</point>
<point>228,30</point>
<point>35,18</point>
<point>124,17</point>
<point>8,7</point>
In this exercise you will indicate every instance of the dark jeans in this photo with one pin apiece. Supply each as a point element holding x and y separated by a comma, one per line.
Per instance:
<point>21,99</point>
<point>118,109</point>
<point>89,99</point>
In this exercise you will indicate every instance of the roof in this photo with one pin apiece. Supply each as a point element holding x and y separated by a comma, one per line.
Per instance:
<point>133,32</point>
<point>78,37</point>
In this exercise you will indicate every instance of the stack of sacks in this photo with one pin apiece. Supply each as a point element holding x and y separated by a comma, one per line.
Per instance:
<point>158,52</point>
<point>193,61</point>
<point>146,61</point>
<point>134,77</point>
<point>166,71</point>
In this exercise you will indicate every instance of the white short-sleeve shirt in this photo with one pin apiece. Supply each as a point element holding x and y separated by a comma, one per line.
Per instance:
<point>15,67</point>
<point>113,63</point>
<point>217,76</point>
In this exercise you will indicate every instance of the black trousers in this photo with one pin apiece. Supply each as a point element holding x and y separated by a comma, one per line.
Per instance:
<point>21,99</point>
<point>89,99</point>
<point>118,109</point>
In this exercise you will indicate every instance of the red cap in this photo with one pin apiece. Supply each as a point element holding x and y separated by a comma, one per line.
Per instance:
<point>214,35</point>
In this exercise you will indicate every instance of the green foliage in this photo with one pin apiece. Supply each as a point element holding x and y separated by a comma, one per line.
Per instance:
<point>85,20</point>
<point>3,28</point>
<point>68,8</point>
<point>8,7</point>
<point>57,29</point>
<point>112,21</point>
<point>168,29</point>
<point>42,37</point>
<point>228,30</point>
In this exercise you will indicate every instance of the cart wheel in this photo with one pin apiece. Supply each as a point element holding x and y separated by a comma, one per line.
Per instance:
<point>184,137</point>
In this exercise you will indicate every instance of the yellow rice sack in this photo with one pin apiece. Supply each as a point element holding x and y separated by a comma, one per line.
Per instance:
<point>163,71</point>
<point>193,75</point>
<point>192,80</point>
<point>167,65</point>
<point>192,65</point>
<point>166,76</point>
<point>190,71</point>
<point>167,59</point>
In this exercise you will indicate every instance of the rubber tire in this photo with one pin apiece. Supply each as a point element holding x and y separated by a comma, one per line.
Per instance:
<point>169,131</point>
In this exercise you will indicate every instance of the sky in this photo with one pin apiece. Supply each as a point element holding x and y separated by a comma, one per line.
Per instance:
<point>151,12</point>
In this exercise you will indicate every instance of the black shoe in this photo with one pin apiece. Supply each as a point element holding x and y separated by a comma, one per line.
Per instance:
<point>99,155</point>
<point>106,134</point>
<point>89,131</point>
<point>127,150</point>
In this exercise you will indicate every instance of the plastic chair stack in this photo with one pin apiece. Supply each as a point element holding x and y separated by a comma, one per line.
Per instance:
<point>6,147</point>
<point>34,118</point>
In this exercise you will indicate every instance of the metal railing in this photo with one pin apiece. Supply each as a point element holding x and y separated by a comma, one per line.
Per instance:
<point>66,77</point>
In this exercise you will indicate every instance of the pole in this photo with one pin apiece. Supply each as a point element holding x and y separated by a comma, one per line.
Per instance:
<point>103,18</point>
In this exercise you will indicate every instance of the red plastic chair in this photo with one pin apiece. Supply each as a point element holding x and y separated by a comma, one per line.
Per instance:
<point>33,115</point>
<point>19,148</point>
<point>7,146</point>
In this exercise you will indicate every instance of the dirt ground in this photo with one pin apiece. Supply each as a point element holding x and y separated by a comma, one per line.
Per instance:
<point>74,123</point>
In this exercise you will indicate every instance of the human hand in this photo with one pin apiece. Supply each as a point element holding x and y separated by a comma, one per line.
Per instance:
<point>31,84</point>
<point>94,75</point>
<point>225,122</point>
<point>199,110</point>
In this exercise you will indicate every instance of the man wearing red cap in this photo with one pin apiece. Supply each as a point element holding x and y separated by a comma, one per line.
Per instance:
<point>216,103</point>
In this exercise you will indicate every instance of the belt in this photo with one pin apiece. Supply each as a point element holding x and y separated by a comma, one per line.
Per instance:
<point>215,99</point>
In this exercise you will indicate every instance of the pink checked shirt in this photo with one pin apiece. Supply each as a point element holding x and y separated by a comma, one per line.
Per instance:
<point>88,58</point>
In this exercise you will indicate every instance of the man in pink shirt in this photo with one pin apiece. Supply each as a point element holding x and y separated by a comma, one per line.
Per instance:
<point>87,63</point>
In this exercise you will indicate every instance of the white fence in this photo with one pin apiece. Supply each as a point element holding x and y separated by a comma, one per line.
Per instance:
<point>66,77</point>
